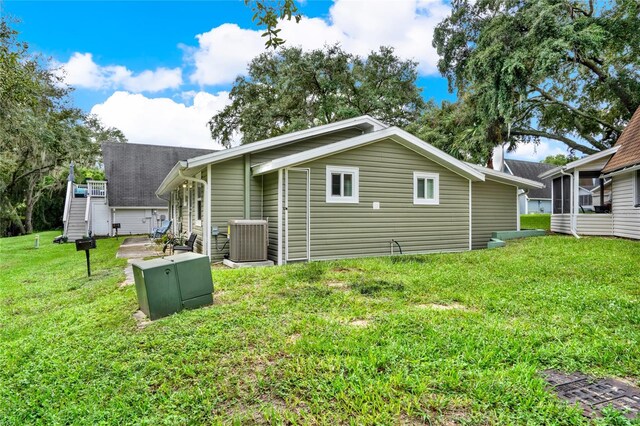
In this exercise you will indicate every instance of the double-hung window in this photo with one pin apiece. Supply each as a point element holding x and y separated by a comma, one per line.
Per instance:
<point>426,188</point>
<point>342,184</point>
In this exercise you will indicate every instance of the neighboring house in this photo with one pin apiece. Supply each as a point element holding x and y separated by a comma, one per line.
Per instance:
<point>615,202</point>
<point>536,200</point>
<point>127,197</point>
<point>345,189</point>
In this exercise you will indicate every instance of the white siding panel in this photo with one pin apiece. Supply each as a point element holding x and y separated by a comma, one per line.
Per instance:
<point>626,217</point>
<point>595,224</point>
<point>561,223</point>
<point>133,221</point>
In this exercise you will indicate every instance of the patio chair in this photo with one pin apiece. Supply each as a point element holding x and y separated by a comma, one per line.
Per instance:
<point>188,245</point>
<point>159,232</point>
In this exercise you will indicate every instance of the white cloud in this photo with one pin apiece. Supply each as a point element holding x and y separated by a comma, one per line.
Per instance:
<point>82,71</point>
<point>536,152</point>
<point>360,26</point>
<point>162,121</point>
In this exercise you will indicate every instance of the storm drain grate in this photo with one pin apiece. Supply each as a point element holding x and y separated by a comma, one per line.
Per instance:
<point>592,394</point>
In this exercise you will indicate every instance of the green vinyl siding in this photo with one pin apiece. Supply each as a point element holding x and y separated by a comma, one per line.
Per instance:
<point>304,145</point>
<point>296,215</point>
<point>494,209</point>
<point>270,212</point>
<point>386,176</point>
<point>256,197</point>
<point>227,198</point>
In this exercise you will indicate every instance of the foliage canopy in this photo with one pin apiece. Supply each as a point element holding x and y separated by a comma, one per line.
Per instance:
<point>290,89</point>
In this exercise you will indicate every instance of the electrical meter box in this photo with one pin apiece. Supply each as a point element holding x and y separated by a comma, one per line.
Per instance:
<point>171,284</point>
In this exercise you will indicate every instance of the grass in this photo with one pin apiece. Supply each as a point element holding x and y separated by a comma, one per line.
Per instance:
<point>535,221</point>
<point>436,339</point>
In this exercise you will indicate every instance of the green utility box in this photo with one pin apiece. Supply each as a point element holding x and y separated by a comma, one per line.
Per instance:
<point>169,285</point>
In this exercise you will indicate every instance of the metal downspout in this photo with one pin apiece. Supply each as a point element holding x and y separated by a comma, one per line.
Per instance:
<point>571,208</point>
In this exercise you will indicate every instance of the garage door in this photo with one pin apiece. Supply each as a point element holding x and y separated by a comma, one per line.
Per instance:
<point>133,221</point>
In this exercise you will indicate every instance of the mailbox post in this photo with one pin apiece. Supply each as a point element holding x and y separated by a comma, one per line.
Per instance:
<point>86,244</point>
<point>115,226</point>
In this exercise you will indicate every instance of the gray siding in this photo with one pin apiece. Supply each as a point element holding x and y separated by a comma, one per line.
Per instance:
<point>386,175</point>
<point>494,209</point>
<point>626,217</point>
<point>227,198</point>
<point>270,209</point>
<point>304,145</point>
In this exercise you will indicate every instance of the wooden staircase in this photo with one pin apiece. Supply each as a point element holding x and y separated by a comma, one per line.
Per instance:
<point>77,227</point>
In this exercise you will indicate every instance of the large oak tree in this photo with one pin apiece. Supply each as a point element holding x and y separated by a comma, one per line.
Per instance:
<point>290,89</point>
<point>563,70</point>
<point>40,133</point>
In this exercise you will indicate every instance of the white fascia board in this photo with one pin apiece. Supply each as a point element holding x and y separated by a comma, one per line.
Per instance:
<point>622,171</point>
<point>393,133</point>
<point>508,179</point>
<point>580,162</point>
<point>226,154</point>
<point>169,181</point>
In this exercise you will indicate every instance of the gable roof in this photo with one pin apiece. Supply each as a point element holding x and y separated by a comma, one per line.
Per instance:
<point>134,171</point>
<point>507,179</point>
<point>192,165</point>
<point>628,144</point>
<point>579,162</point>
<point>398,135</point>
<point>365,123</point>
<point>531,170</point>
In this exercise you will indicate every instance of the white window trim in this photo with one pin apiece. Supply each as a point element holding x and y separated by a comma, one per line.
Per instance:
<point>355,196</point>
<point>436,189</point>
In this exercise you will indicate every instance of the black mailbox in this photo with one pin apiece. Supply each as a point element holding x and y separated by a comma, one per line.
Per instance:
<point>86,244</point>
<point>115,226</point>
<point>83,245</point>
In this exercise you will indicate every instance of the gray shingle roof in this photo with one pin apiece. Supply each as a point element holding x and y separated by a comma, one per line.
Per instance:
<point>134,171</point>
<point>531,170</point>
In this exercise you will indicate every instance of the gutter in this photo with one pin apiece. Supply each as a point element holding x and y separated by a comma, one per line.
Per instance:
<point>573,217</point>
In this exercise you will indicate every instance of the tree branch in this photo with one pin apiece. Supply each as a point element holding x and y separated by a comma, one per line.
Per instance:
<point>542,134</point>
<point>556,101</point>
<point>605,78</point>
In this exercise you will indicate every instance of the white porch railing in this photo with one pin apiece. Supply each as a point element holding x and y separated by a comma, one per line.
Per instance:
<point>97,188</point>
<point>67,207</point>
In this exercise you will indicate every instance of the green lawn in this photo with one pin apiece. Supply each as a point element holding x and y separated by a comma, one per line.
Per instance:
<point>355,342</point>
<point>535,221</point>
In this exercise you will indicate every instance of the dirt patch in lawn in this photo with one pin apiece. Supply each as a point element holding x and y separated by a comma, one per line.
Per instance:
<point>294,338</point>
<point>343,269</point>
<point>444,306</point>
<point>141,320</point>
<point>359,323</point>
<point>338,285</point>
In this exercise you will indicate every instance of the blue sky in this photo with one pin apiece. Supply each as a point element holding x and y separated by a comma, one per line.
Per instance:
<point>159,69</point>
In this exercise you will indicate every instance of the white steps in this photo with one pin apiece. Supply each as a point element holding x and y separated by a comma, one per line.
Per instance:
<point>77,227</point>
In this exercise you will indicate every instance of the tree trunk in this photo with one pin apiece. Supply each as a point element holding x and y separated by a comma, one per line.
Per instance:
<point>28,214</point>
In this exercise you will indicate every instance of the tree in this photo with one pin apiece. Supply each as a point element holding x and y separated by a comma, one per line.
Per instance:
<point>269,13</point>
<point>289,90</point>
<point>565,70</point>
<point>40,133</point>
<point>559,159</point>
